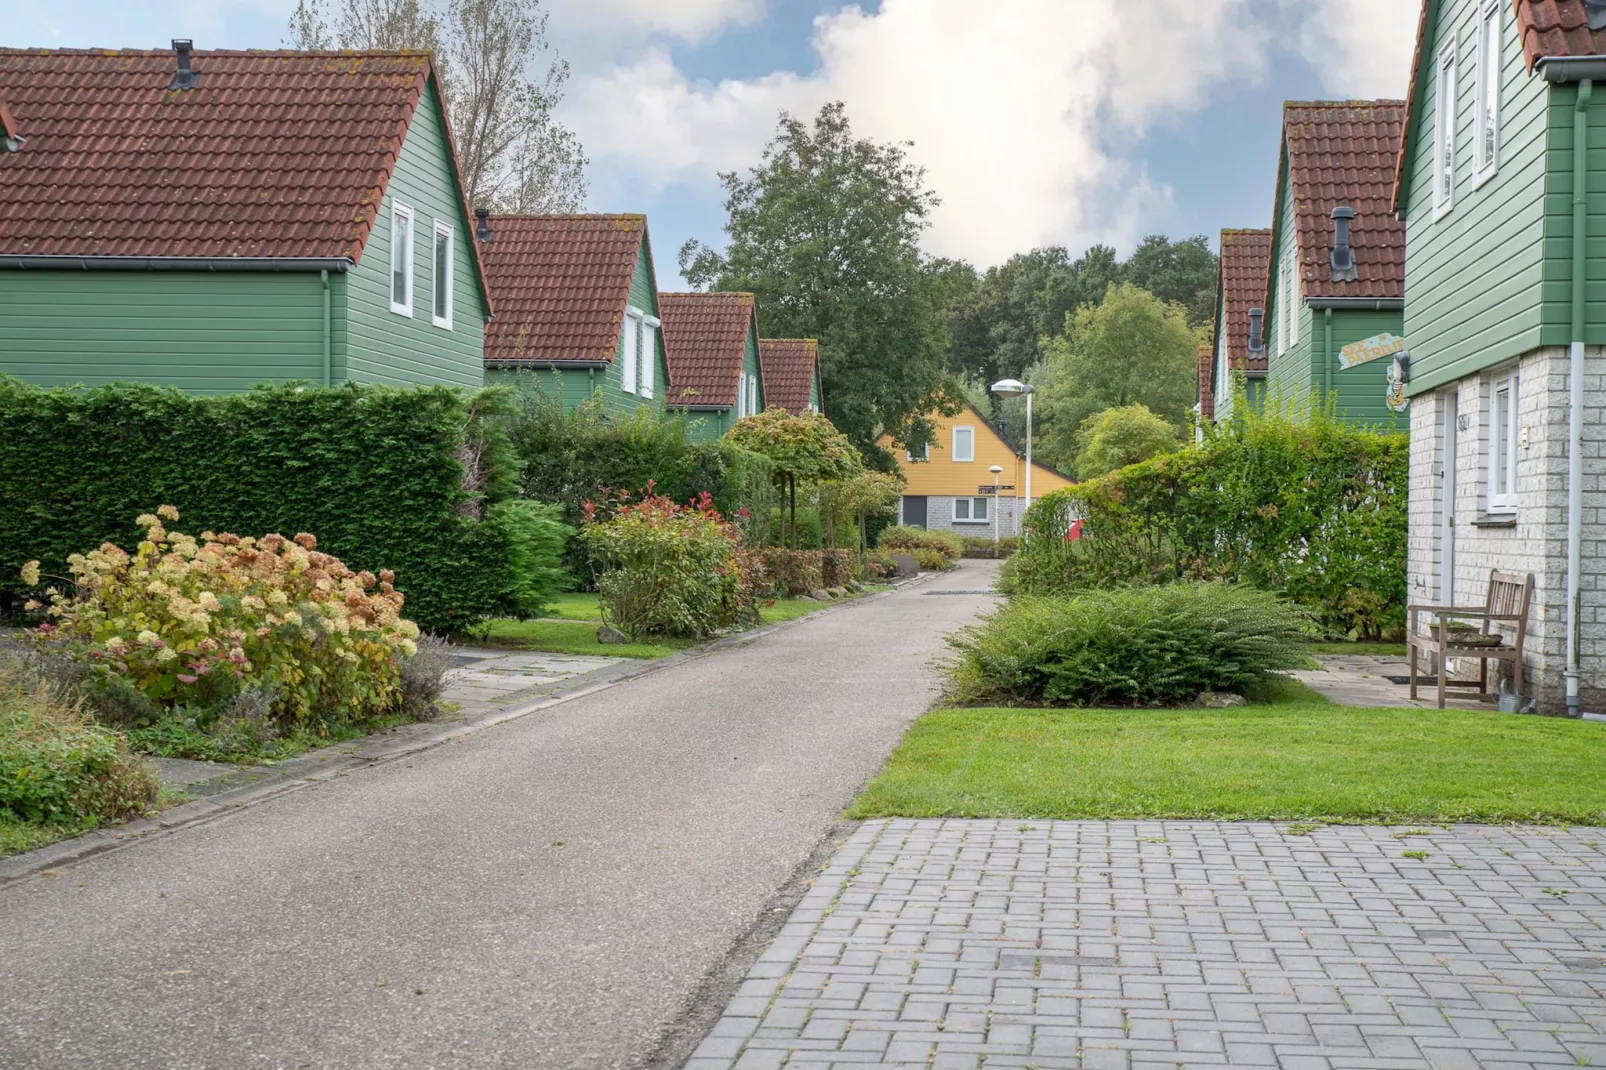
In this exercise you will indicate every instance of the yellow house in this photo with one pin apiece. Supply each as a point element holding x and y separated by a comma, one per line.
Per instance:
<point>953,487</point>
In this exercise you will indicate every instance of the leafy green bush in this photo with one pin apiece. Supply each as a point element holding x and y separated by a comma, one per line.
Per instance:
<point>906,540</point>
<point>57,766</point>
<point>1295,503</point>
<point>804,531</point>
<point>984,547</point>
<point>665,568</point>
<point>836,568</point>
<point>795,572</point>
<point>931,560</point>
<point>388,477</point>
<point>1139,646</point>
<point>1121,436</point>
<point>537,538</point>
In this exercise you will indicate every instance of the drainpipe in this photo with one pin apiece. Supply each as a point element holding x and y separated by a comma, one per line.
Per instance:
<point>1575,387</point>
<point>1327,358</point>
<point>328,364</point>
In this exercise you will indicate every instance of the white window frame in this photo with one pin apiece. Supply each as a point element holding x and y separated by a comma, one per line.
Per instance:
<point>649,355</point>
<point>752,399</point>
<point>1503,499</point>
<point>400,211</point>
<point>971,505</point>
<point>925,455</point>
<point>1285,304</point>
<point>1444,103</point>
<point>971,452</point>
<point>438,271</point>
<point>1486,126</point>
<point>630,359</point>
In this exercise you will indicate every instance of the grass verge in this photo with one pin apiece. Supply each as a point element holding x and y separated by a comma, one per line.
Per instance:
<point>579,635</point>
<point>1396,650</point>
<point>1297,760</point>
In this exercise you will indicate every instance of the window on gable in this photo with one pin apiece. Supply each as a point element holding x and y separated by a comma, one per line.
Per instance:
<point>441,276</point>
<point>1444,132</point>
<point>925,454</point>
<point>401,259</point>
<point>629,359</point>
<point>649,354</point>
<point>970,510</point>
<point>1488,119</point>
<point>752,396</point>
<point>964,444</point>
<point>1503,445</point>
<point>1285,316</point>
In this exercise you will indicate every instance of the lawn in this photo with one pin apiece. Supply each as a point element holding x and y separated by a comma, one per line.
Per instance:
<point>577,634</point>
<point>1305,760</point>
<point>1396,650</point>
<point>577,605</point>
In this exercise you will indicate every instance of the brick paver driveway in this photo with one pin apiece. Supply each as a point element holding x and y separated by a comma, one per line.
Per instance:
<point>1124,944</point>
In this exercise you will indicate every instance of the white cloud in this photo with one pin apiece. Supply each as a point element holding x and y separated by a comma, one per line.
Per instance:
<point>691,20</point>
<point>1361,48</point>
<point>1012,110</point>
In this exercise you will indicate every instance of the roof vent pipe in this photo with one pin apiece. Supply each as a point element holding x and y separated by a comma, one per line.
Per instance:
<point>1257,318</point>
<point>1343,258</point>
<point>482,224</point>
<point>1595,14</point>
<point>184,77</point>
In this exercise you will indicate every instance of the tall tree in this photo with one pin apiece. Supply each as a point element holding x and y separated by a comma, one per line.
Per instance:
<point>514,154</point>
<point>825,231</point>
<point>1132,348</point>
<point>1182,271</point>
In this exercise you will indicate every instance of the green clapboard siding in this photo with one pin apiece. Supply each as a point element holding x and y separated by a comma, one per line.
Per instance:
<point>1358,393</point>
<point>1289,373</point>
<point>1475,276</point>
<point>203,332</point>
<point>385,346</point>
<point>1558,186</point>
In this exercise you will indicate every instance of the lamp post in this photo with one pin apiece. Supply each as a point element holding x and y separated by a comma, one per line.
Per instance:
<point>1014,388</point>
<point>996,470</point>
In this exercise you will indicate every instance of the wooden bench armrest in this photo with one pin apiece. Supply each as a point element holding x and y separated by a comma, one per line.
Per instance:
<point>1446,611</point>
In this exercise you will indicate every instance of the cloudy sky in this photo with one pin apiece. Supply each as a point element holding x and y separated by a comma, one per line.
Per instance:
<point>1039,121</point>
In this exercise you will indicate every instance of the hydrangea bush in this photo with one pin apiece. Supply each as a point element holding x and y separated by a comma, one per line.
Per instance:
<point>194,621</point>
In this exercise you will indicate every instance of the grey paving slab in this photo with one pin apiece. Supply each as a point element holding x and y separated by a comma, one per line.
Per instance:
<point>1160,943</point>
<point>1361,680</point>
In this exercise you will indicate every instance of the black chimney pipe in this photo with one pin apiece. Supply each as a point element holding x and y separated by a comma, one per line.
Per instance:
<point>482,224</point>
<point>1343,258</point>
<point>1257,317</point>
<point>184,77</point>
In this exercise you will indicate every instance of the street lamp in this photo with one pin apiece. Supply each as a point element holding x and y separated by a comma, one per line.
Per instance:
<point>1014,388</point>
<point>996,470</point>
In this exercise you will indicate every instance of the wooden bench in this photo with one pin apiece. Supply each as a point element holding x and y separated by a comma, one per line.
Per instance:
<point>1506,602</point>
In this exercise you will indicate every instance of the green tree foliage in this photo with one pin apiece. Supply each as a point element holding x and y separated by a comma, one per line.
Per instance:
<point>857,499</point>
<point>1131,349</point>
<point>825,232</point>
<point>1121,436</point>
<point>803,446</point>
<point>1183,272</point>
<point>1299,504</point>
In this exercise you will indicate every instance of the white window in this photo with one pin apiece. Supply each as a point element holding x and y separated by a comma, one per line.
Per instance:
<point>1503,446</point>
<point>442,275</point>
<point>649,354</point>
<point>1444,132</point>
<point>1285,304</point>
<point>1488,118</point>
<point>401,259</point>
<point>964,443</point>
<point>970,510</point>
<point>741,397</point>
<point>925,454</point>
<point>629,360</point>
<point>753,403</point>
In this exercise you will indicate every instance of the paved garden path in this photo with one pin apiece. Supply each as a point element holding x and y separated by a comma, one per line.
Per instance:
<point>985,944</point>
<point>545,893</point>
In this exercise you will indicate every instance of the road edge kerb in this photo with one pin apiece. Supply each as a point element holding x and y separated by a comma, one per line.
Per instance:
<point>308,769</point>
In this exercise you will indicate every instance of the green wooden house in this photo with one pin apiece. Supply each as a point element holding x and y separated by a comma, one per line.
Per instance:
<point>212,220</point>
<point>1501,184</point>
<point>1235,364</point>
<point>1335,290</point>
<point>791,371</point>
<point>577,309</point>
<point>711,341</point>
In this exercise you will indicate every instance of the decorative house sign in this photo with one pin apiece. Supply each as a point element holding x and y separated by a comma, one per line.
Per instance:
<point>1370,349</point>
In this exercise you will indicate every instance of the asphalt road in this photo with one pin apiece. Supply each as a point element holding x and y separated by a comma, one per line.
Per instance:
<point>545,893</point>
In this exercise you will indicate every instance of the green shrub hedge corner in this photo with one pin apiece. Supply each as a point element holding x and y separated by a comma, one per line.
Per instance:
<point>794,572</point>
<point>1138,646</point>
<point>376,472</point>
<point>1296,503</point>
<point>537,537</point>
<point>908,540</point>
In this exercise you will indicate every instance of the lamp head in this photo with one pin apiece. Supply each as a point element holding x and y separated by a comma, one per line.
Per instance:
<point>996,469</point>
<point>1010,388</point>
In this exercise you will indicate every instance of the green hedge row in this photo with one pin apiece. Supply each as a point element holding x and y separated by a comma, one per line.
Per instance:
<point>1295,503</point>
<point>376,473</point>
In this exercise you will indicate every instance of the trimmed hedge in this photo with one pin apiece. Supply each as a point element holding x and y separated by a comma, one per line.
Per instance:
<point>984,547</point>
<point>795,572</point>
<point>377,472</point>
<point>1298,504</point>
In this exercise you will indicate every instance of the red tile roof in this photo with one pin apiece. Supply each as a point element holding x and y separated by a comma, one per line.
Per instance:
<point>705,339</point>
<point>789,366</point>
<point>1344,153</point>
<point>1556,28</point>
<point>1207,405</point>
<point>1241,285</point>
<point>561,284</point>
<point>272,154</point>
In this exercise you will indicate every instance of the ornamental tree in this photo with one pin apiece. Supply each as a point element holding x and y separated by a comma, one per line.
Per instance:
<point>802,446</point>
<point>865,495</point>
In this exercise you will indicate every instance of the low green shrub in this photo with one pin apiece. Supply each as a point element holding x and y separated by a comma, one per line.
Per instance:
<point>665,569</point>
<point>984,547</point>
<point>537,538</point>
<point>57,766</point>
<point>795,572</point>
<point>836,568</point>
<point>931,560</point>
<point>1143,646</point>
<point>810,533</point>
<point>906,540</point>
<point>873,566</point>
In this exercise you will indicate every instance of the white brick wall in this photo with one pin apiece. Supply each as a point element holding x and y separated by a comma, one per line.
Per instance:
<point>1538,542</point>
<point>940,516</point>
